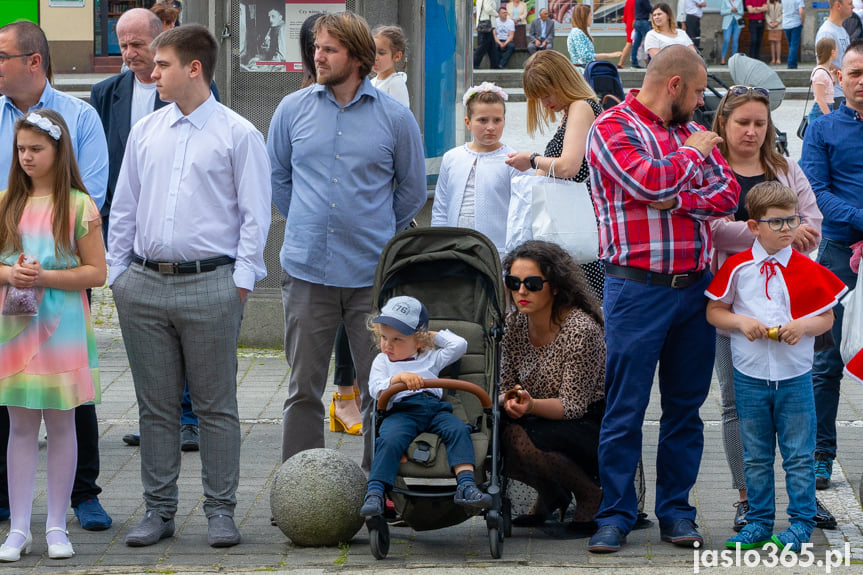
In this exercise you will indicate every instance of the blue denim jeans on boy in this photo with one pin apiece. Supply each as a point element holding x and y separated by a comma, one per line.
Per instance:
<point>827,369</point>
<point>783,412</point>
<point>407,419</point>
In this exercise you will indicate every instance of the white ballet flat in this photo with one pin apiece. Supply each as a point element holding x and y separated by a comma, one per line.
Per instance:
<point>59,550</point>
<point>9,554</point>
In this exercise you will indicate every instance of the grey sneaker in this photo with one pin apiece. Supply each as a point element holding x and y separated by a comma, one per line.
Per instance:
<point>189,437</point>
<point>150,530</point>
<point>221,531</point>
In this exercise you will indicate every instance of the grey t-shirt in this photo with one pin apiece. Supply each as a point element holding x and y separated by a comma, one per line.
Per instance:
<point>830,30</point>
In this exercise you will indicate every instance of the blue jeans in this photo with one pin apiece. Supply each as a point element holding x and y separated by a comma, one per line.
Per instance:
<point>646,324</point>
<point>827,369</point>
<point>783,412</point>
<point>640,30</point>
<point>793,37</point>
<point>408,418</point>
<point>504,54</point>
<point>732,34</point>
<point>188,416</point>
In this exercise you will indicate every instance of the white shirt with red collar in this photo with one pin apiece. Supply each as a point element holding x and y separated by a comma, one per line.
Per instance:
<point>774,289</point>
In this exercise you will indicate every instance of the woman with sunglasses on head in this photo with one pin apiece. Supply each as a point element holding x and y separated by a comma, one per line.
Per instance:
<point>743,122</point>
<point>552,383</point>
<point>554,87</point>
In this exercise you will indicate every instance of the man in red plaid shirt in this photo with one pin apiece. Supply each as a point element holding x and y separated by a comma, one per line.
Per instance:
<point>657,178</point>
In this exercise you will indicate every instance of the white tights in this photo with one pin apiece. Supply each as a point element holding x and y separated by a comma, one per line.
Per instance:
<point>22,458</point>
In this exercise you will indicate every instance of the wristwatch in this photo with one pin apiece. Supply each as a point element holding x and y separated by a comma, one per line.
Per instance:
<point>533,160</point>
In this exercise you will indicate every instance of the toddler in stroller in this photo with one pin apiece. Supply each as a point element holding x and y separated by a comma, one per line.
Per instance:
<point>408,355</point>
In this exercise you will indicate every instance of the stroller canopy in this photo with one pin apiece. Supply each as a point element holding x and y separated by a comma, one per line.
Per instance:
<point>748,71</point>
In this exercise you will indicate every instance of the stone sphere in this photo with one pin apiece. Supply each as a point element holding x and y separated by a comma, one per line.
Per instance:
<point>316,498</point>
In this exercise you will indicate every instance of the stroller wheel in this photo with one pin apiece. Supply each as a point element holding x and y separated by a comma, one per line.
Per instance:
<point>379,539</point>
<point>495,541</point>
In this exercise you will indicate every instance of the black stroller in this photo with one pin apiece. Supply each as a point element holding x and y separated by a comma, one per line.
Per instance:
<point>456,273</point>
<point>605,81</point>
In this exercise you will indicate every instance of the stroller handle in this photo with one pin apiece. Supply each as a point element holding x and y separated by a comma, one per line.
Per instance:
<point>459,384</point>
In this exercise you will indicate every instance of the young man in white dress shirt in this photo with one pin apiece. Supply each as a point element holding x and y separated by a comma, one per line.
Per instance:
<point>189,222</point>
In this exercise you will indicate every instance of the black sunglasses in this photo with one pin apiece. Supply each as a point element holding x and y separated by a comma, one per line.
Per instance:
<point>532,283</point>
<point>743,90</point>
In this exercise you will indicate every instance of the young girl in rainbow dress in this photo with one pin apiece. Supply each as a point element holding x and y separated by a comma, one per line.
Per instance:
<point>51,250</point>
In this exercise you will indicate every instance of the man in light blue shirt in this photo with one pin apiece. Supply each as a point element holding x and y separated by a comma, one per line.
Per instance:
<point>793,13</point>
<point>348,173</point>
<point>24,65</point>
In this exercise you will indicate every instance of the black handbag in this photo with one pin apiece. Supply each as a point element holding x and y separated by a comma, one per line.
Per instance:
<point>483,26</point>
<point>804,122</point>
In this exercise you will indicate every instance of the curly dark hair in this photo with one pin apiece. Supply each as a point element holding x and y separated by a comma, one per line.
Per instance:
<point>563,274</point>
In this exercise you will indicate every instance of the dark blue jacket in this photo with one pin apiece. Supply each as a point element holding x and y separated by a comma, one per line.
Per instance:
<point>642,9</point>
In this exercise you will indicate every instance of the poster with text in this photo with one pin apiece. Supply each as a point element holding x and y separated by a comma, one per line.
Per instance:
<point>270,32</point>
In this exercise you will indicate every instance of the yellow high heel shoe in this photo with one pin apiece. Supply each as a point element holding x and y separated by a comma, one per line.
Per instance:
<point>337,424</point>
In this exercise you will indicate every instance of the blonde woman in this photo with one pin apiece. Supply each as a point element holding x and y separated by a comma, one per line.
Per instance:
<point>665,32</point>
<point>580,43</point>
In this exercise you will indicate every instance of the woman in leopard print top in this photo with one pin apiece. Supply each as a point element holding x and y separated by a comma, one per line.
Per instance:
<point>553,365</point>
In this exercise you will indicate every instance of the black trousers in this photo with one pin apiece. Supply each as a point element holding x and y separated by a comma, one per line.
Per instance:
<point>693,30</point>
<point>756,33</point>
<point>485,44</point>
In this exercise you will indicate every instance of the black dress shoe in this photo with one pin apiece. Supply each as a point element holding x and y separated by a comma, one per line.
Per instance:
<point>607,539</point>
<point>823,518</point>
<point>581,528</point>
<point>133,439</point>
<point>189,437</point>
<point>682,533</point>
<point>529,520</point>
<point>740,515</point>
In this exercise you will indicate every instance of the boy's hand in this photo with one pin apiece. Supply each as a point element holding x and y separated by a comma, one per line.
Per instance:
<point>412,380</point>
<point>751,328</point>
<point>792,331</point>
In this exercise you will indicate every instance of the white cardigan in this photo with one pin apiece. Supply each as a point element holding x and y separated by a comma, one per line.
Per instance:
<point>493,178</point>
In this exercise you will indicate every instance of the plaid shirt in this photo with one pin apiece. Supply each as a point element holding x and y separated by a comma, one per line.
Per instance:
<point>635,160</point>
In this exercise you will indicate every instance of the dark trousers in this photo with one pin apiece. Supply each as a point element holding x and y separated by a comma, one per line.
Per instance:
<point>343,372</point>
<point>756,33</point>
<point>485,45</point>
<point>828,365</point>
<point>504,54</point>
<point>693,29</point>
<point>407,419</point>
<point>646,324</point>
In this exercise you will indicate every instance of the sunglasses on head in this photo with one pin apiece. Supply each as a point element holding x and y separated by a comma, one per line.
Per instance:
<point>776,224</point>
<point>531,283</point>
<point>744,90</point>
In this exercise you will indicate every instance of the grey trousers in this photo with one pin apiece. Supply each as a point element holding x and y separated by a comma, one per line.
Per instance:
<point>730,422</point>
<point>312,314</point>
<point>177,326</point>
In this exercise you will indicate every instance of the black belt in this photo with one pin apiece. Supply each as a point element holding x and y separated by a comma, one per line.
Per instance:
<point>678,281</point>
<point>171,268</point>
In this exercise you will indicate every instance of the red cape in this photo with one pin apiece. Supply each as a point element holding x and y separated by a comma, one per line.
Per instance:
<point>854,368</point>
<point>812,289</point>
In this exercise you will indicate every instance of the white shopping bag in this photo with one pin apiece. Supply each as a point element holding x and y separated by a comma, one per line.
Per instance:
<point>852,321</point>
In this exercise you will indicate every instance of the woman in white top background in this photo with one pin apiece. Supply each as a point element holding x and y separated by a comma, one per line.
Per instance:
<point>665,32</point>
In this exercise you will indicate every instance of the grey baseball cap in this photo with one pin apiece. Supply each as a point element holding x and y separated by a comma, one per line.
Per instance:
<point>406,314</point>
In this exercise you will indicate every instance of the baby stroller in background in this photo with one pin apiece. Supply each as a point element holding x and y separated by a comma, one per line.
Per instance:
<point>603,77</point>
<point>745,71</point>
<point>456,273</point>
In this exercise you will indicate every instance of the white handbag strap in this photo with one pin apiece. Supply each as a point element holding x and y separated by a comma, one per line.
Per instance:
<point>550,172</point>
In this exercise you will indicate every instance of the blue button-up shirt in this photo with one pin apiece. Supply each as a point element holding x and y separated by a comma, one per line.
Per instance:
<point>833,164</point>
<point>346,178</point>
<point>85,128</point>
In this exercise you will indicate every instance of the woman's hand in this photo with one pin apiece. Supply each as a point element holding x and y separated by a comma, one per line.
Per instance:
<point>520,405</point>
<point>805,239</point>
<point>24,275</point>
<point>519,160</point>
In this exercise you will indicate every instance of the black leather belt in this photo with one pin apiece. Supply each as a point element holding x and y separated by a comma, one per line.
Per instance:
<point>172,268</point>
<point>678,281</point>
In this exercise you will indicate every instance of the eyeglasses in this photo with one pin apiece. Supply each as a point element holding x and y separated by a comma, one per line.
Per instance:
<point>776,224</point>
<point>4,57</point>
<point>743,90</point>
<point>532,283</point>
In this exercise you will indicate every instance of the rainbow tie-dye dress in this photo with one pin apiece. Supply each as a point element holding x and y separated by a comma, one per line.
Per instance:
<point>49,361</point>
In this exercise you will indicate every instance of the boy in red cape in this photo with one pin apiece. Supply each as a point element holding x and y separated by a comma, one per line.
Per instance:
<point>774,301</point>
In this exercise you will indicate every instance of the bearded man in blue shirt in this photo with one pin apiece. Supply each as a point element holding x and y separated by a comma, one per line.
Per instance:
<point>348,173</point>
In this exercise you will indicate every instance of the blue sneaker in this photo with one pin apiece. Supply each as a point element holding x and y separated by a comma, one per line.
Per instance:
<point>823,470</point>
<point>91,516</point>
<point>792,538</point>
<point>752,536</point>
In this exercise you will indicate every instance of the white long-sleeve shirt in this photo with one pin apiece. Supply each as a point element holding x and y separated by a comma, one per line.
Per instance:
<point>191,188</point>
<point>428,364</point>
